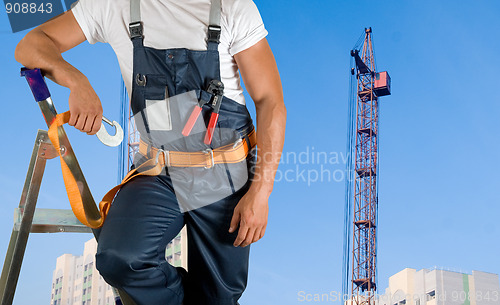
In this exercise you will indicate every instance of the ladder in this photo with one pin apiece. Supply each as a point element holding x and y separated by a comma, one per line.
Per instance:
<point>27,218</point>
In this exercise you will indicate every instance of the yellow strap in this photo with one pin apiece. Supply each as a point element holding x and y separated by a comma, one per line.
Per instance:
<point>152,167</point>
<point>74,195</point>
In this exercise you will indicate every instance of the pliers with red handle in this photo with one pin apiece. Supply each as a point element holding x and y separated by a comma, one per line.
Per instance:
<point>216,88</point>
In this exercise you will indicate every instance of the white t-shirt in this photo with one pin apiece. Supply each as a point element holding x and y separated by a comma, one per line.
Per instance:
<point>174,24</point>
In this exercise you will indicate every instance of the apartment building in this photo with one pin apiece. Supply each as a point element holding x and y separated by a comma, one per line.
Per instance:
<point>76,281</point>
<point>441,287</point>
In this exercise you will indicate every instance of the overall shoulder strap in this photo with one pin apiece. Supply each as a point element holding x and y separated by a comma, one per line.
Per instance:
<point>135,11</point>
<point>135,25</point>
<point>214,28</point>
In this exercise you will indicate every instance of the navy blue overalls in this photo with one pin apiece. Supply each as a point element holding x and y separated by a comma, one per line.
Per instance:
<point>145,215</point>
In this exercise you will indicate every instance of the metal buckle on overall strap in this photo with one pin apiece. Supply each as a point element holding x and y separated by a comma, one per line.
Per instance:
<point>214,33</point>
<point>136,29</point>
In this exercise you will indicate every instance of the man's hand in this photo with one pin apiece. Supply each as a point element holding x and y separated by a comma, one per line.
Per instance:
<point>251,215</point>
<point>85,107</point>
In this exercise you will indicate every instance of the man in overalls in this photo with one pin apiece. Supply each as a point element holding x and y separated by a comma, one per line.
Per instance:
<point>182,54</point>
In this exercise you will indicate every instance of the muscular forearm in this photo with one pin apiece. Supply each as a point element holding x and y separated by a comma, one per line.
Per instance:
<point>252,210</point>
<point>262,80</point>
<point>42,48</point>
<point>37,50</point>
<point>271,119</point>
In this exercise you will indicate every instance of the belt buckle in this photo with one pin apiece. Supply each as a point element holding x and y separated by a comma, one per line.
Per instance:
<point>166,157</point>
<point>211,152</point>
<point>238,142</point>
<point>157,157</point>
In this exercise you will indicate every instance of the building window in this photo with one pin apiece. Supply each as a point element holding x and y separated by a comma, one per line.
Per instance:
<point>431,295</point>
<point>84,291</point>
<point>417,302</point>
<point>85,279</point>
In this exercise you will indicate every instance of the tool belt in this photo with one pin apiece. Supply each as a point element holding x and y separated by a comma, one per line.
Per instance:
<point>157,159</point>
<point>232,153</point>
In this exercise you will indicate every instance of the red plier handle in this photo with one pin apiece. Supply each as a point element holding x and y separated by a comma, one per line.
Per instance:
<point>216,88</point>
<point>191,121</point>
<point>216,101</point>
<point>211,128</point>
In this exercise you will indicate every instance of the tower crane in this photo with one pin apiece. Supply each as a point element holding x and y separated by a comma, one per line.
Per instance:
<point>360,224</point>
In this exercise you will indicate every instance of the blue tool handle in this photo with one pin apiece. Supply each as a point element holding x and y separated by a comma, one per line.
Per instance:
<point>36,83</point>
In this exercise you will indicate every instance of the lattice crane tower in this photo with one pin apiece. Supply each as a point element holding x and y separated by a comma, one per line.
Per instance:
<point>362,191</point>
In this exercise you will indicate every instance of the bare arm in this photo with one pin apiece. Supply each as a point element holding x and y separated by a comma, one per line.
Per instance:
<point>42,48</point>
<point>262,80</point>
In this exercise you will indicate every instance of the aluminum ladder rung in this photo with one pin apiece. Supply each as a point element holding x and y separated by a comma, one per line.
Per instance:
<point>52,221</point>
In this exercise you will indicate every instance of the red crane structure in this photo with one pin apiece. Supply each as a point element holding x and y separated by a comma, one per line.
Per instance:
<point>361,186</point>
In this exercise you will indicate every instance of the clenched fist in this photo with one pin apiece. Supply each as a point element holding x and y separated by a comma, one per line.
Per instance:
<point>85,107</point>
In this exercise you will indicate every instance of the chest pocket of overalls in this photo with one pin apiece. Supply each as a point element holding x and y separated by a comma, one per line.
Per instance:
<point>202,173</point>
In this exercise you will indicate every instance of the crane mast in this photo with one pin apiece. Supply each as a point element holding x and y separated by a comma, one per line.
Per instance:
<point>370,85</point>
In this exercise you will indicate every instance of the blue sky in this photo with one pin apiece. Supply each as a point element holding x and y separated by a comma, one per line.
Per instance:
<point>438,182</point>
